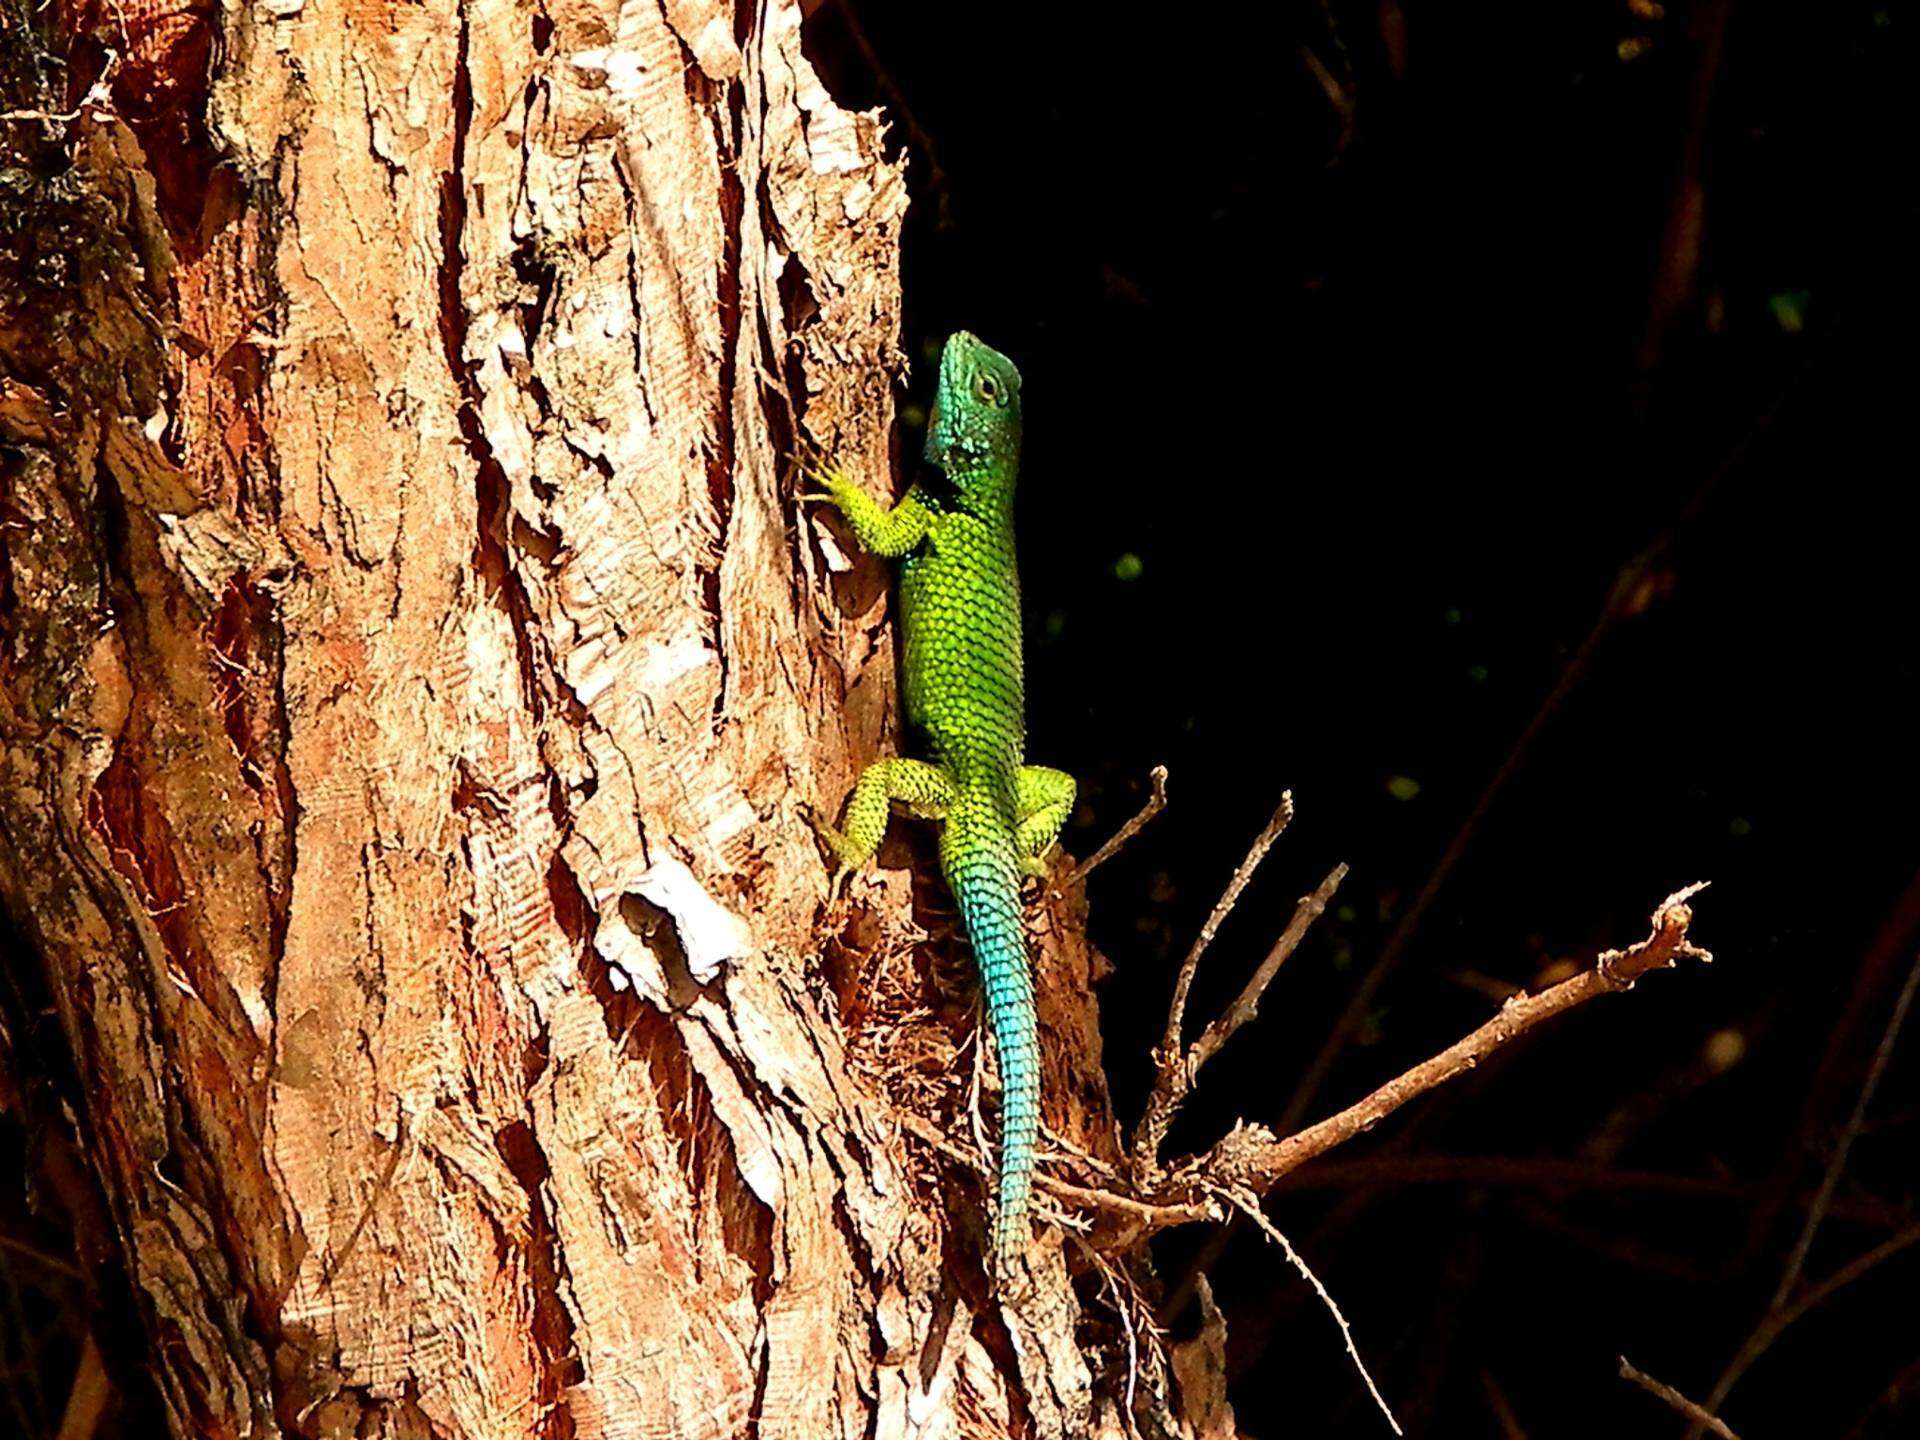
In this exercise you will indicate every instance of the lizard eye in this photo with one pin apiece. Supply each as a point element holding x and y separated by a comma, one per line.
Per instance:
<point>985,387</point>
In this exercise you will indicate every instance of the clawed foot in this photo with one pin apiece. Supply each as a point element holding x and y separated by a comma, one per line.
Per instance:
<point>815,467</point>
<point>1036,873</point>
<point>831,841</point>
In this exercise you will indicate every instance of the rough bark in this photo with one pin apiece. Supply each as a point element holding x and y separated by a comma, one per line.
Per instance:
<point>412,664</point>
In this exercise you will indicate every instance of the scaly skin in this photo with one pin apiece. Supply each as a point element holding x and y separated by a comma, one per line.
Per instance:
<point>960,599</point>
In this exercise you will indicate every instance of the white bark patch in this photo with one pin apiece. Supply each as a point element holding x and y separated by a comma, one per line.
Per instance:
<point>711,935</point>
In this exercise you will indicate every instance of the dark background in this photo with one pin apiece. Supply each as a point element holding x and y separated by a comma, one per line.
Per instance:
<point>1351,442</point>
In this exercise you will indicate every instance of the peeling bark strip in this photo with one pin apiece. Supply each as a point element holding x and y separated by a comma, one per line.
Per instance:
<point>411,669</point>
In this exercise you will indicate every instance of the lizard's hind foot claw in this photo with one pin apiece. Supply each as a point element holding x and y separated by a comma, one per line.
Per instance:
<point>831,841</point>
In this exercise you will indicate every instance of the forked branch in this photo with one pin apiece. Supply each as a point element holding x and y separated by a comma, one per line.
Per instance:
<point>1253,1156</point>
<point>1177,1065</point>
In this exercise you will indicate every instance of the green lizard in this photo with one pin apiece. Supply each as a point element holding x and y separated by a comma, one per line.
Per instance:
<point>965,690</point>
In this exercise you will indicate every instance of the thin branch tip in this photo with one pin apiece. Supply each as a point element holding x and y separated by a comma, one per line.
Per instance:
<point>1156,802</point>
<point>1699,1414</point>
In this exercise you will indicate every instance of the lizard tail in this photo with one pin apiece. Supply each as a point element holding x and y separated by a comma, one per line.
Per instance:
<point>977,853</point>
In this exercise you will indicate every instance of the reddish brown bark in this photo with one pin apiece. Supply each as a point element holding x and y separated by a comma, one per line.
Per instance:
<point>414,665</point>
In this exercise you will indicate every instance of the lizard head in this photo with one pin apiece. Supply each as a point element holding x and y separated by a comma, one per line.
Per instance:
<point>974,426</point>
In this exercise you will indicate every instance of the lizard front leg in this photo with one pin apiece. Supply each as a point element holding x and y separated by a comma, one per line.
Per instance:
<point>893,532</point>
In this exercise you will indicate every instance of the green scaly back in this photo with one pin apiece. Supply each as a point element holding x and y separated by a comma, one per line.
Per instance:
<point>965,694</point>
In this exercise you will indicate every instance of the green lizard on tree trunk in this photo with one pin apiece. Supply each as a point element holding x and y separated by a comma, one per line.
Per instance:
<point>965,691</point>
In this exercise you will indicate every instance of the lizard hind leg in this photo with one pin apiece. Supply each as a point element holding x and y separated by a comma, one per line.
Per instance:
<point>924,789</point>
<point>1045,800</point>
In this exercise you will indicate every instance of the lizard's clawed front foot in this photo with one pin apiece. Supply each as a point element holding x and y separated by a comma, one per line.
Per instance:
<point>814,467</point>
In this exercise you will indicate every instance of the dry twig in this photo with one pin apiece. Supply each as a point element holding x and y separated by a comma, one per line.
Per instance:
<point>1142,1215</point>
<point>41,1257</point>
<point>1155,804</point>
<point>1502,1407</point>
<point>1177,1066</point>
<point>1902,1388</point>
<point>1178,1071</point>
<point>1780,1312</point>
<point>1678,1401</point>
<point>1558,1177</point>
<point>1895,938</point>
<point>1135,1316</point>
<point>1177,1011</point>
<point>1253,1159</point>
<point>1247,1004</point>
<point>1770,1328</point>
<point>1829,1182</point>
<point>1252,1155</point>
<point>98,97</point>
<point>975,1161</point>
<point>1168,1059</point>
<point>1249,1205</point>
<point>87,1399</point>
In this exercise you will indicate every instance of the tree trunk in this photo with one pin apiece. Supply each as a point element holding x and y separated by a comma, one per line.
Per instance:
<point>413,665</point>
